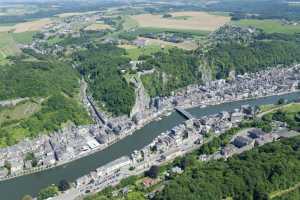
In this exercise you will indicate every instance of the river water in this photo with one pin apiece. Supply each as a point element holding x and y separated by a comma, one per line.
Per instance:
<point>15,189</point>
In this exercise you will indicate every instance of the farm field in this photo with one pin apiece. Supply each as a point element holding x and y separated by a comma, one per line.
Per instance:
<point>26,26</point>
<point>270,26</point>
<point>97,26</point>
<point>23,38</point>
<point>69,14</point>
<point>17,10</point>
<point>199,21</point>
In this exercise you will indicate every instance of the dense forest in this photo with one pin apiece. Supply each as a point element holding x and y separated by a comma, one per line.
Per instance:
<point>37,78</point>
<point>50,9</point>
<point>260,54</point>
<point>258,9</point>
<point>101,66</point>
<point>173,70</point>
<point>251,175</point>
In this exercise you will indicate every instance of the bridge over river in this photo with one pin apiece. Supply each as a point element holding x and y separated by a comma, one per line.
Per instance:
<point>184,113</point>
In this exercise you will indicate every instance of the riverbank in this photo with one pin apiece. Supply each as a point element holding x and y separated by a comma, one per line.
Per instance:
<point>31,184</point>
<point>151,118</point>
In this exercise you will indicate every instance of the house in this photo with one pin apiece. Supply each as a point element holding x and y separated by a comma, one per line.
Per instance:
<point>92,143</point>
<point>256,133</point>
<point>203,157</point>
<point>3,172</point>
<point>266,138</point>
<point>114,166</point>
<point>140,42</point>
<point>176,170</point>
<point>248,110</point>
<point>49,160</point>
<point>148,182</point>
<point>228,150</point>
<point>102,138</point>
<point>224,115</point>
<point>241,141</point>
<point>16,166</point>
<point>82,181</point>
<point>236,117</point>
<point>28,164</point>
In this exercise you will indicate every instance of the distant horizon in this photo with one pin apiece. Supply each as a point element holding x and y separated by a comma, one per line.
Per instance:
<point>40,1</point>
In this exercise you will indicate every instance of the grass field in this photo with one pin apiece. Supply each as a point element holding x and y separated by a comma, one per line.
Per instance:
<point>10,117</point>
<point>196,21</point>
<point>270,26</point>
<point>9,41</point>
<point>20,111</point>
<point>69,14</point>
<point>292,108</point>
<point>8,46</point>
<point>129,23</point>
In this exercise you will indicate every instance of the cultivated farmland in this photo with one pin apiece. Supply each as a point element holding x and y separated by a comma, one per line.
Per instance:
<point>97,26</point>
<point>26,26</point>
<point>199,21</point>
<point>270,26</point>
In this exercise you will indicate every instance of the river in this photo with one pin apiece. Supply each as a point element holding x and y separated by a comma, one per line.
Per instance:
<point>15,189</point>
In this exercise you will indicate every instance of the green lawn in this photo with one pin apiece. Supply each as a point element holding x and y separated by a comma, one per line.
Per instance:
<point>292,108</point>
<point>269,26</point>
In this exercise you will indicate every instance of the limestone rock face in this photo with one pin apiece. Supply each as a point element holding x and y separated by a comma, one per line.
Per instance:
<point>142,99</point>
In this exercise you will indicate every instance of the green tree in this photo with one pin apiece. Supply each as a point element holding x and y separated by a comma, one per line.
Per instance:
<point>153,172</point>
<point>135,196</point>
<point>27,197</point>
<point>48,192</point>
<point>63,185</point>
